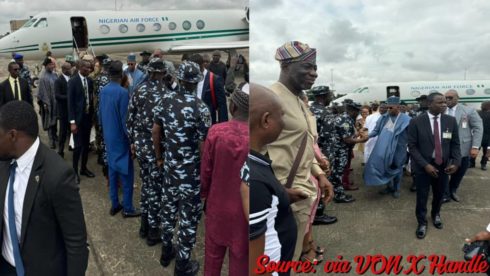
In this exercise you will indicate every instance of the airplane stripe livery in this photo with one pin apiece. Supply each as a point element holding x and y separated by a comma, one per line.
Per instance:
<point>66,32</point>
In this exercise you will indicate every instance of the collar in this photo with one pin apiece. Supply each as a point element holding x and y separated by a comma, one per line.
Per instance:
<point>259,158</point>
<point>205,72</point>
<point>431,116</point>
<point>26,160</point>
<point>66,77</point>
<point>81,77</point>
<point>12,79</point>
<point>453,108</point>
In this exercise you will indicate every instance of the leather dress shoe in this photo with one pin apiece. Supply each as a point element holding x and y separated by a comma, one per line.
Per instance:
<point>413,188</point>
<point>77,178</point>
<point>324,219</point>
<point>445,200</point>
<point>116,210</point>
<point>87,173</point>
<point>344,199</point>
<point>421,231</point>
<point>437,222</point>
<point>483,167</point>
<point>132,214</point>
<point>455,197</point>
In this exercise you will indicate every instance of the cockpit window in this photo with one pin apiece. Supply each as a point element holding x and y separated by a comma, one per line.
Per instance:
<point>29,23</point>
<point>42,23</point>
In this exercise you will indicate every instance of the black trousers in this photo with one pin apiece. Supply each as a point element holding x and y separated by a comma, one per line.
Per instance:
<point>64,132</point>
<point>424,182</point>
<point>82,142</point>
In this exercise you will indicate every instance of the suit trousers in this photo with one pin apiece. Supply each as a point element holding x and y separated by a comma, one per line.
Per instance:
<point>452,185</point>
<point>82,142</point>
<point>424,182</point>
<point>64,131</point>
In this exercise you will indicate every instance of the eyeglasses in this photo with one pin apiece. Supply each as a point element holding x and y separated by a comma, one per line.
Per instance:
<point>449,98</point>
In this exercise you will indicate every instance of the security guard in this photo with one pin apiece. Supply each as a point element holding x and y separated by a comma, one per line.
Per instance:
<point>145,62</point>
<point>344,139</point>
<point>323,97</point>
<point>181,122</point>
<point>100,82</point>
<point>24,70</point>
<point>140,124</point>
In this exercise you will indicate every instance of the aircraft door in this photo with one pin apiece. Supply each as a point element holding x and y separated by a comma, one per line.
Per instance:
<point>79,32</point>
<point>392,91</point>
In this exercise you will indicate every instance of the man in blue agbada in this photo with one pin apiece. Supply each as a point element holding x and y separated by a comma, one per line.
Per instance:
<point>385,164</point>
<point>113,108</point>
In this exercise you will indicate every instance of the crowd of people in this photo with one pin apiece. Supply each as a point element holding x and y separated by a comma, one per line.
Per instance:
<point>172,119</point>
<point>300,154</point>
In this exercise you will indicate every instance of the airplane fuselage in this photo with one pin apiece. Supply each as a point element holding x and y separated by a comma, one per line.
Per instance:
<point>124,31</point>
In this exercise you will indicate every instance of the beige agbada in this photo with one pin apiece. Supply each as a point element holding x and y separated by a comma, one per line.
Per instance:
<point>283,151</point>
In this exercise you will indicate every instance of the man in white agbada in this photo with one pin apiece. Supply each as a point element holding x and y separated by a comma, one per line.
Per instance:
<point>371,120</point>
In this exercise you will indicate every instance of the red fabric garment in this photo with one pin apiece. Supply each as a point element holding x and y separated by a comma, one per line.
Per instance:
<point>225,151</point>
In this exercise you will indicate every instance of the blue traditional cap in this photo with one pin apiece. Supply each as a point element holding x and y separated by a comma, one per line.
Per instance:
<point>295,51</point>
<point>189,72</point>
<point>18,56</point>
<point>393,100</point>
<point>320,90</point>
<point>132,57</point>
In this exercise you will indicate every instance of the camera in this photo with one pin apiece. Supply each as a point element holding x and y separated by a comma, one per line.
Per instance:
<point>476,248</point>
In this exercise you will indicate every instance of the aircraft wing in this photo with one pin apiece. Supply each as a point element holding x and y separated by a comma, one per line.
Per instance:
<point>212,46</point>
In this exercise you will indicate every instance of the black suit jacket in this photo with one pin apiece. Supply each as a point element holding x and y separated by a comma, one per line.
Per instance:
<point>61,93</point>
<point>7,95</point>
<point>53,235</point>
<point>219,90</point>
<point>421,142</point>
<point>485,116</point>
<point>77,100</point>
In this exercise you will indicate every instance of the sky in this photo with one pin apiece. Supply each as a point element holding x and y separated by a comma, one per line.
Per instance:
<point>22,9</point>
<point>361,42</point>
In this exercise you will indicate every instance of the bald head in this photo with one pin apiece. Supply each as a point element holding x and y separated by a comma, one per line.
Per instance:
<point>66,68</point>
<point>452,98</point>
<point>265,116</point>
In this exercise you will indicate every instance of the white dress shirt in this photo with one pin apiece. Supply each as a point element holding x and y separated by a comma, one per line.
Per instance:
<point>22,174</point>
<point>452,110</point>
<point>200,85</point>
<point>431,119</point>
<point>67,78</point>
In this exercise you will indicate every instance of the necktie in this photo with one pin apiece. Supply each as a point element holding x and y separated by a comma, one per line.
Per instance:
<point>85,90</point>
<point>19,266</point>
<point>16,90</point>
<point>437,143</point>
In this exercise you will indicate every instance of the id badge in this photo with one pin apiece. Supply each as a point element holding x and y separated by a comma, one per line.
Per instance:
<point>447,135</point>
<point>464,124</point>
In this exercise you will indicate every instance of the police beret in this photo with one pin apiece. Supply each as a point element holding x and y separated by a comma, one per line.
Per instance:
<point>18,56</point>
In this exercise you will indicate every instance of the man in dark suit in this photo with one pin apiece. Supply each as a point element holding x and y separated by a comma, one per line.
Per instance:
<point>80,116</point>
<point>211,91</point>
<point>61,91</point>
<point>42,228</point>
<point>434,147</point>
<point>485,142</point>
<point>14,87</point>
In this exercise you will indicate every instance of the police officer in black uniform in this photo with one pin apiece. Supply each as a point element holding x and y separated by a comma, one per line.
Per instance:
<point>181,121</point>
<point>145,62</point>
<point>100,82</point>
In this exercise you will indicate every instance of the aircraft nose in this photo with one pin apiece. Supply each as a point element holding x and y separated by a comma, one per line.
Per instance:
<point>6,46</point>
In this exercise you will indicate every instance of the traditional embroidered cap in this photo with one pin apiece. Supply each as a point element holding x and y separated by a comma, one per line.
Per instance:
<point>189,72</point>
<point>241,96</point>
<point>132,57</point>
<point>320,90</point>
<point>156,65</point>
<point>18,56</point>
<point>295,51</point>
<point>393,100</point>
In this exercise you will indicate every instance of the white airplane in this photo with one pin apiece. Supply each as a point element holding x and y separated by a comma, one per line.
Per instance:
<point>471,92</point>
<point>98,32</point>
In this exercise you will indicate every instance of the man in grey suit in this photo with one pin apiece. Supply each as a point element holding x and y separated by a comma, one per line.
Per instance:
<point>470,129</point>
<point>433,142</point>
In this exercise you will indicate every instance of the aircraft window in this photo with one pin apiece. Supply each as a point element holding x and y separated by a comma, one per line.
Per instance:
<point>470,91</point>
<point>487,91</point>
<point>140,28</point>
<point>186,25</point>
<point>104,29</point>
<point>29,23</point>
<point>172,26</point>
<point>42,23</point>
<point>123,28</point>
<point>200,24</point>
<point>157,27</point>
